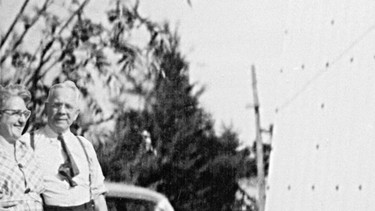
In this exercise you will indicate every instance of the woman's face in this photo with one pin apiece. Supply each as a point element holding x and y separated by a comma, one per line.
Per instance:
<point>13,117</point>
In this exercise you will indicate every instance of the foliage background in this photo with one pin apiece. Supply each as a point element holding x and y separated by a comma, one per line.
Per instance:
<point>128,86</point>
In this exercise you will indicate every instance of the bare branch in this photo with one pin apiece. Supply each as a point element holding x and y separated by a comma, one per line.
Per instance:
<point>20,39</point>
<point>14,23</point>
<point>36,51</point>
<point>49,68</point>
<point>35,19</point>
<point>74,14</point>
<point>50,43</point>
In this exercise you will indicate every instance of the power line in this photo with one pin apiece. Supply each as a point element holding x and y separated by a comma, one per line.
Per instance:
<point>320,72</point>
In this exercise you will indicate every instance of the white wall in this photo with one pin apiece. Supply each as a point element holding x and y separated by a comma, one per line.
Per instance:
<point>323,154</point>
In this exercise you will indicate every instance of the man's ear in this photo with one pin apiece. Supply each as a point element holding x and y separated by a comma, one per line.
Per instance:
<point>76,113</point>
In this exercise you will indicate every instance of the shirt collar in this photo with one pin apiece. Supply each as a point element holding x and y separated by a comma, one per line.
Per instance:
<point>52,134</point>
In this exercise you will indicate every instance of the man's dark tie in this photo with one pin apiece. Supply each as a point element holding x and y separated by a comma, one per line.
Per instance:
<point>69,168</point>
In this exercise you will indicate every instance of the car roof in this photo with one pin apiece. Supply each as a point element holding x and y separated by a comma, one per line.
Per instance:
<point>122,190</point>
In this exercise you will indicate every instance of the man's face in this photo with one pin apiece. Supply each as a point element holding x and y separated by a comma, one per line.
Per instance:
<point>62,109</point>
<point>12,121</point>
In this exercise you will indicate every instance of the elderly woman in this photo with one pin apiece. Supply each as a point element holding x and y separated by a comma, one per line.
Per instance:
<point>21,181</point>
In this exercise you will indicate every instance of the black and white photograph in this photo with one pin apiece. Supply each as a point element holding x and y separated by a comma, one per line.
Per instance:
<point>187,105</point>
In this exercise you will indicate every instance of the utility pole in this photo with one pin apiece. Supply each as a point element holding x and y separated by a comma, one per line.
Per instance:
<point>259,145</point>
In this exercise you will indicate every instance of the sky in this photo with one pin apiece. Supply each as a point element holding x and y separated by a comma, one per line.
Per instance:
<point>222,40</point>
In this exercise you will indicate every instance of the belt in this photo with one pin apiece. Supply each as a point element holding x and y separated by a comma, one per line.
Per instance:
<point>89,206</point>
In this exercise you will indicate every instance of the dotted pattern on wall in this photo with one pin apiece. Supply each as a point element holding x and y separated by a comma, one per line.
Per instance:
<point>323,155</point>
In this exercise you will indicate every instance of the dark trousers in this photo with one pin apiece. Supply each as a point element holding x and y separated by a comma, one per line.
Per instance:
<point>89,206</point>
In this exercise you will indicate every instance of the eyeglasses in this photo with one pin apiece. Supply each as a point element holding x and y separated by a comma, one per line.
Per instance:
<point>17,113</point>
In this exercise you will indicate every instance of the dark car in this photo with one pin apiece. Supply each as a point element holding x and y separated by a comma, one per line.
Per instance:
<point>124,197</point>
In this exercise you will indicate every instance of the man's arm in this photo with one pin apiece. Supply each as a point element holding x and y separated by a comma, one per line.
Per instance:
<point>97,179</point>
<point>100,204</point>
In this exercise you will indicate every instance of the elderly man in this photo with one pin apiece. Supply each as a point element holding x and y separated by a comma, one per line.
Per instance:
<point>21,181</point>
<point>72,175</point>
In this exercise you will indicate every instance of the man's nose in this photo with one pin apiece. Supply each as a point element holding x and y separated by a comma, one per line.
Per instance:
<point>62,109</point>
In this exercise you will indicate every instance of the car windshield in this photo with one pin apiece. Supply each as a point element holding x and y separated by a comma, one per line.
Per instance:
<point>126,204</point>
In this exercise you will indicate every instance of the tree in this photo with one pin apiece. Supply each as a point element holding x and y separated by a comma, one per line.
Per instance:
<point>190,158</point>
<point>41,47</point>
<point>103,58</point>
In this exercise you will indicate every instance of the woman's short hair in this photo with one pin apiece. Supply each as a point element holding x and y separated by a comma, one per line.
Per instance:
<point>14,90</point>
